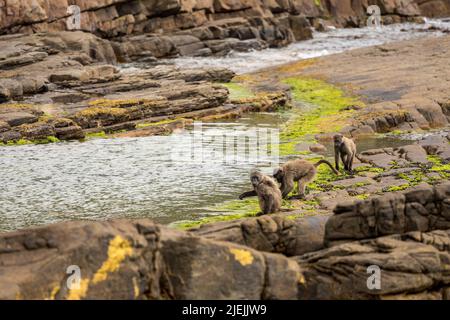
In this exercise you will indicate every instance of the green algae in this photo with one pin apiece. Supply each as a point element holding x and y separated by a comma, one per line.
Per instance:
<point>325,112</point>
<point>414,177</point>
<point>398,188</point>
<point>92,135</point>
<point>22,142</point>
<point>238,91</point>
<point>363,196</point>
<point>324,180</point>
<point>236,209</point>
<point>439,167</point>
<point>152,124</point>
<point>362,169</point>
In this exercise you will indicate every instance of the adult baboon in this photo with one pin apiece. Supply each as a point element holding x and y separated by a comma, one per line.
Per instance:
<point>345,149</point>
<point>267,190</point>
<point>300,171</point>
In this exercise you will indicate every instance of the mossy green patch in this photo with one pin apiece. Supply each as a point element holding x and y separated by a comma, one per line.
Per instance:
<point>325,112</point>
<point>398,188</point>
<point>151,124</point>
<point>438,166</point>
<point>21,142</point>
<point>324,180</point>
<point>93,135</point>
<point>363,196</point>
<point>414,177</point>
<point>368,169</point>
<point>236,209</point>
<point>360,184</point>
<point>238,91</point>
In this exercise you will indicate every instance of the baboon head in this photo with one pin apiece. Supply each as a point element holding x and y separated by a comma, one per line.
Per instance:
<point>338,138</point>
<point>278,174</point>
<point>256,177</point>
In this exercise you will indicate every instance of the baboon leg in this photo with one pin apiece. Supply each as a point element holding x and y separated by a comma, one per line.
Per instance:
<point>336,158</point>
<point>286,187</point>
<point>301,188</point>
<point>350,162</point>
<point>344,160</point>
<point>268,205</point>
<point>301,191</point>
<point>248,194</point>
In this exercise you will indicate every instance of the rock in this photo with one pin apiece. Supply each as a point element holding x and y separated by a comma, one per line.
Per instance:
<point>4,126</point>
<point>36,131</point>
<point>9,136</point>
<point>383,158</point>
<point>412,266</point>
<point>9,89</point>
<point>419,209</point>
<point>17,118</point>
<point>148,262</point>
<point>318,148</point>
<point>301,28</point>
<point>90,74</point>
<point>413,153</point>
<point>271,233</point>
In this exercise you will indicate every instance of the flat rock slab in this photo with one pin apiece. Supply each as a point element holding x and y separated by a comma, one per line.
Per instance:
<point>424,208</point>
<point>18,118</point>
<point>271,233</point>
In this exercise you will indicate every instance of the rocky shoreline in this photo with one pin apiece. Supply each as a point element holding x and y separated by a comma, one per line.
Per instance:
<point>63,85</point>
<point>63,93</point>
<point>405,235</point>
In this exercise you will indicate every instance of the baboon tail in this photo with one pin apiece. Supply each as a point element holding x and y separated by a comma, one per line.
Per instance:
<point>323,161</point>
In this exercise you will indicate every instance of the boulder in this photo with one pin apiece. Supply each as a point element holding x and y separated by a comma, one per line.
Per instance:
<point>17,118</point>
<point>138,259</point>
<point>409,266</point>
<point>270,233</point>
<point>420,209</point>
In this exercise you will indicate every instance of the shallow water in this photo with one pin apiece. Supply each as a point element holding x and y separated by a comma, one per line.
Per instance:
<point>152,177</point>
<point>132,177</point>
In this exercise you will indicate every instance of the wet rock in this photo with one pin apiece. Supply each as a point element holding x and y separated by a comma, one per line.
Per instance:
<point>420,209</point>
<point>11,135</point>
<point>36,131</point>
<point>300,27</point>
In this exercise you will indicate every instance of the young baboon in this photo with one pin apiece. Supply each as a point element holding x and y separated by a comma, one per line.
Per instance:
<point>267,190</point>
<point>300,171</point>
<point>344,148</point>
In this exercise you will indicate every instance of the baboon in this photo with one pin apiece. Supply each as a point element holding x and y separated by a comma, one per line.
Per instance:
<point>300,171</point>
<point>346,149</point>
<point>267,190</point>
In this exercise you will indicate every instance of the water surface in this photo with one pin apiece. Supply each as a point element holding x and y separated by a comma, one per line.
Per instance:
<point>140,177</point>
